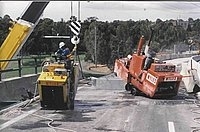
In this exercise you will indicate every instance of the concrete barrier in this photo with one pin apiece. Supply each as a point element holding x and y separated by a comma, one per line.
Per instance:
<point>13,89</point>
<point>173,56</point>
<point>109,82</point>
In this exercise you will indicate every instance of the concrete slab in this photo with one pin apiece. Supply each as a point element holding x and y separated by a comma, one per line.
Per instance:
<point>12,89</point>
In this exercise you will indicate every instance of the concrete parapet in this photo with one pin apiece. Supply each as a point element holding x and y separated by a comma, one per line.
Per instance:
<point>13,89</point>
<point>172,56</point>
<point>112,84</point>
<point>109,83</point>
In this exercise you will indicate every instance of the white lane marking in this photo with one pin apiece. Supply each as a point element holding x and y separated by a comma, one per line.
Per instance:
<point>171,127</point>
<point>79,88</point>
<point>8,123</point>
<point>102,117</point>
<point>126,122</point>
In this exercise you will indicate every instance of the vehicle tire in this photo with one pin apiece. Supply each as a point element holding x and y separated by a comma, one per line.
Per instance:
<point>196,89</point>
<point>115,74</point>
<point>128,87</point>
<point>133,91</point>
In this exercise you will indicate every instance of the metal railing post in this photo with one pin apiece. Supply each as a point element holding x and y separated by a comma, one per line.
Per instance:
<point>35,59</point>
<point>0,75</point>
<point>19,66</point>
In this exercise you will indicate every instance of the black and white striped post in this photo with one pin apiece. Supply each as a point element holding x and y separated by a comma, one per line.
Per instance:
<point>75,27</point>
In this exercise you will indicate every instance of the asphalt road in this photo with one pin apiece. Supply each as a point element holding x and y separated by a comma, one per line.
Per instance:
<point>100,109</point>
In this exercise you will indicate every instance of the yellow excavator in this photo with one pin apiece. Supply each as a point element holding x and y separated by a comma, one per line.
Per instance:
<point>57,83</point>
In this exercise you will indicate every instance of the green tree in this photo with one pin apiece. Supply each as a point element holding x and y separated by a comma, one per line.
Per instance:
<point>4,27</point>
<point>36,44</point>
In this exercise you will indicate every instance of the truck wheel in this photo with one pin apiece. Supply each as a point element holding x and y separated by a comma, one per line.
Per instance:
<point>128,87</point>
<point>133,91</point>
<point>196,89</point>
<point>115,74</point>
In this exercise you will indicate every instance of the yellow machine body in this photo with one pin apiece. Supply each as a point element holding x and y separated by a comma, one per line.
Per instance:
<point>57,85</point>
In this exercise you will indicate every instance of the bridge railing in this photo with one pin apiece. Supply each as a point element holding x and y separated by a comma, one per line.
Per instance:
<point>20,64</point>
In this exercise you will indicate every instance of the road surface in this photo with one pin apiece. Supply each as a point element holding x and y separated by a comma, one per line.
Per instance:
<point>102,109</point>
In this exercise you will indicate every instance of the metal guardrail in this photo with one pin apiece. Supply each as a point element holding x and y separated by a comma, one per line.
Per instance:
<point>11,69</point>
<point>20,67</point>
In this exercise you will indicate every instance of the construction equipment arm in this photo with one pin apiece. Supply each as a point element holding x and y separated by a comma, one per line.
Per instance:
<point>20,31</point>
<point>148,45</point>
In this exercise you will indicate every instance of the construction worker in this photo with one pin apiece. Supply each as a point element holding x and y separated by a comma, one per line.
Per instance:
<point>150,59</point>
<point>127,62</point>
<point>63,51</point>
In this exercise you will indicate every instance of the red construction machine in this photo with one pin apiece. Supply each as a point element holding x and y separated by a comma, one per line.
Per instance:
<point>143,74</point>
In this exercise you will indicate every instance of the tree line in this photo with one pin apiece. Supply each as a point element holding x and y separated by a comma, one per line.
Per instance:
<point>113,39</point>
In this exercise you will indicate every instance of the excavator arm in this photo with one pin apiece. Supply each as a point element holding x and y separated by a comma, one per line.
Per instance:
<point>20,31</point>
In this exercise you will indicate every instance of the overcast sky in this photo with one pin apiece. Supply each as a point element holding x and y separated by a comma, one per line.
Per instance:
<point>109,10</point>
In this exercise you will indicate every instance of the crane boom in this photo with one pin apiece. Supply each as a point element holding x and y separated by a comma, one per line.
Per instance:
<point>20,31</point>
